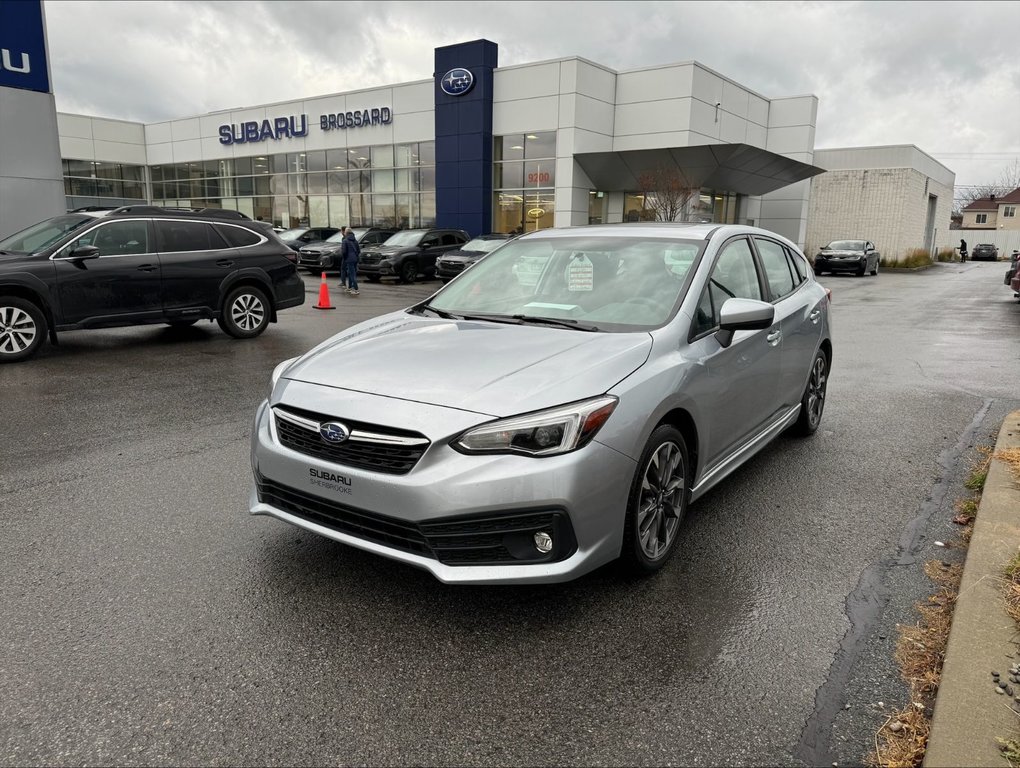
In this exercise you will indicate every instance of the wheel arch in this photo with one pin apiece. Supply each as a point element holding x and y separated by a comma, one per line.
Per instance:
<point>252,278</point>
<point>681,419</point>
<point>30,294</point>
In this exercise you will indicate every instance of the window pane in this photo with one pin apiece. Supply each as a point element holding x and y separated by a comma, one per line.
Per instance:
<point>383,210</point>
<point>246,206</point>
<point>734,275</point>
<point>336,159</point>
<point>316,160</point>
<point>337,182</point>
<point>245,185</point>
<point>131,172</point>
<point>134,190</point>
<point>339,211</point>
<point>297,184</point>
<point>382,156</point>
<point>296,162</point>
<point>236,236</point>
<point>108,170</point>
<point>211,169</point>
<point>777,268</point>
<point>186,236</point>
<point>122,238</point>
<point>155,172</point>
<point>359,157</point>
<point>317,184</point>
<point>427,179</point>
<point>509,147</point>
<point>508,176</point>
<point>382,181</point>
<point>278,163</point>
<point>260,165</point>
<point>403,214</point>
<point>318,211</point>
<point>79,168</point>
<point>508,212</point>
<point>427,153</point>
<point>540,174</point>
<point>224,168</point>
<point>242,166</point>
<point>403,180</point>
<point>540,145</point>
<point>405,154</point>
<point>428,210</point>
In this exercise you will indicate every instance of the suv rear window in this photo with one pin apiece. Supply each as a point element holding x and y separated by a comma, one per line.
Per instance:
<point>237,236</point>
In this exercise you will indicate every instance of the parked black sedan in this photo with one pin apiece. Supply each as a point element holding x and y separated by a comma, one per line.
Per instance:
<point>984,252</point>
<point>856,256</point>
<point>453,263</point>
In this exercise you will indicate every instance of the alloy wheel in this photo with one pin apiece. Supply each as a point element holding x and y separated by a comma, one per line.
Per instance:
<point>661,502</point>
<point>17,330</point>
<point>816,390</point>
<point>247,312</point>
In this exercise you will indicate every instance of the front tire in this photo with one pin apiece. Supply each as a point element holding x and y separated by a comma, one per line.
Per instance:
<point>408,271</point>
<point>657,502</point>
<point>245,312</point>
<point>22,329</point>
<point>812,403</point>
<point>874,272</point>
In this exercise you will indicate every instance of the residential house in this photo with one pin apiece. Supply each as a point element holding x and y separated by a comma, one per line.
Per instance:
<point>995,213</point>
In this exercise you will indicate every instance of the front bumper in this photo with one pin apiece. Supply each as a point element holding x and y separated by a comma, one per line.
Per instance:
<point>583,495</point>
<point>838,265</point>
<point>382,268</point>
<point>318,259</point>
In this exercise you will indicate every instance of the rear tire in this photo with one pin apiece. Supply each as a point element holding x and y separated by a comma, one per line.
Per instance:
<point>812,403</point>
<point>408,271</point>
<point>245,312</point>
<point>22,329</point>
<point>659,494</point>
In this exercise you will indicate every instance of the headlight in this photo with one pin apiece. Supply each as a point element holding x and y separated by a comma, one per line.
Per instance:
<point>545,433</point>
<point>277,371</point>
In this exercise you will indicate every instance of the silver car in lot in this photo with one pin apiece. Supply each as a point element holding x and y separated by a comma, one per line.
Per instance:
<point>553,408</point>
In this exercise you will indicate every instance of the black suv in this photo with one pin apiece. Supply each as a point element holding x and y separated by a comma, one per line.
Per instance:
<point>316,257</point>
<point>141,265</point>
<point>409,253</point>
<point>302,236</point>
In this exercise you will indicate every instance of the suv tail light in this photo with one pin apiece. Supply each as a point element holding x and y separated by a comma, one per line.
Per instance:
<point>292,256</point>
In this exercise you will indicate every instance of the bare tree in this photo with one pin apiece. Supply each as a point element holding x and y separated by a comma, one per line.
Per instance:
<point>668,193</point>
<point>1009,179</point>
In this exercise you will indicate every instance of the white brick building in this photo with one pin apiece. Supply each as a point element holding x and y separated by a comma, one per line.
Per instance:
<point>897,196</point>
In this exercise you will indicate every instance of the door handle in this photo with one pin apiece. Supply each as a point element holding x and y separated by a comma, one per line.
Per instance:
<point>224,263</point>
<point>147,268</point>
<point>774,338</point>
<point>813,317</point>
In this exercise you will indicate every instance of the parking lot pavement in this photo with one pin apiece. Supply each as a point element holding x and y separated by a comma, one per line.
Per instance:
<point>149,619</point>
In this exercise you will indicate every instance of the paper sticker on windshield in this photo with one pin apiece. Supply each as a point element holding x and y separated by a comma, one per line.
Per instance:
<point>580,274</point>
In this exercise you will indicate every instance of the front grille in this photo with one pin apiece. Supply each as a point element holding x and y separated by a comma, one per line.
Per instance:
<point>338,517</point>
<point>370,258</point>
<point>451,266</point>
<point>371,456</point>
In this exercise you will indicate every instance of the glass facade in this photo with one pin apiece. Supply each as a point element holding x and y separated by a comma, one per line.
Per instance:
<point>384,186</point>
<point>523,182</point>
<point>90,183</point>
<point>709,206</point>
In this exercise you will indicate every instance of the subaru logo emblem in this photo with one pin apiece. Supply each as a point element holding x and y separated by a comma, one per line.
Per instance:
<point>457,82</point>
<point>333,432</point>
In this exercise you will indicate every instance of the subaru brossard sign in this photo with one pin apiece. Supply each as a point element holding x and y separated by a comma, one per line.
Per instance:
<point>296,126</point>
<point>23,46</point>
<point>457,81</point>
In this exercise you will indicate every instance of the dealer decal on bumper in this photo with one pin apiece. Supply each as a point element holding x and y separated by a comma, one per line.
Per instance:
<point>329,480</point>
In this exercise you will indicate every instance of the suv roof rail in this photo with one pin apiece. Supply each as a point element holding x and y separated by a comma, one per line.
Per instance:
<point>93,208</point>
<point>153,210</point>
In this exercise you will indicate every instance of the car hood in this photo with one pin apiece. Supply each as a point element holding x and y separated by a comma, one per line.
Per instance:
<point>459,255</point>
<point>321,245</point>
<point>484,367</point>
<point>6,258</point>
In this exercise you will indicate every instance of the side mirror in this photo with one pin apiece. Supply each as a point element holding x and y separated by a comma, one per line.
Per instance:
<point>84,253</point>
<point>424,246</point>
<point>743,315</point>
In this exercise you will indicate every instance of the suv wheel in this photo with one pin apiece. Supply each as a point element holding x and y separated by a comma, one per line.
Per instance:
<point>408,271</point>
<point>22,329</point>
<point>245,312</point>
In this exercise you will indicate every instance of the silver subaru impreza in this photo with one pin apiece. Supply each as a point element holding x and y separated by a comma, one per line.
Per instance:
<point>553,408</point>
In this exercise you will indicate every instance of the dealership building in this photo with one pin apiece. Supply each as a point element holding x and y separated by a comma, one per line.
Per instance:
<point>485,148</point>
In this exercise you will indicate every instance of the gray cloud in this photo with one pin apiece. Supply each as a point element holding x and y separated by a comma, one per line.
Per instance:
<point>938,75</point>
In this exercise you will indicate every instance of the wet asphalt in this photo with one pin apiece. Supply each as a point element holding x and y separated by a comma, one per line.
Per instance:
<point>146,618</point>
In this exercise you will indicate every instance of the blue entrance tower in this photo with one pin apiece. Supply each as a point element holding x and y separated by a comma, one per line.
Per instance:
<point>463,88</point>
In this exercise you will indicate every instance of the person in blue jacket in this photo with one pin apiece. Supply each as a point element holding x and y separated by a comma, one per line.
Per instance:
<point>349,253</point>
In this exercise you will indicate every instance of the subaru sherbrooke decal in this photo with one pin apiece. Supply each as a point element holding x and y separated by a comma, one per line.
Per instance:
<point>457,81</point>
<point>333,432</point>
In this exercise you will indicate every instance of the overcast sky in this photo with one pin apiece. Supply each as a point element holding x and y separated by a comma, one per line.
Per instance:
<point>942,75</point>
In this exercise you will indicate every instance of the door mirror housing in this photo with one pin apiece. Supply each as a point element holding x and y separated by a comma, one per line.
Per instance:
<point>743,315</point>
<point>84,252</point>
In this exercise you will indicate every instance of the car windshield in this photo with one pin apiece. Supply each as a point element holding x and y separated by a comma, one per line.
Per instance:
<point>479,244</point>
<point>293,234</point>
<point>338,237</point>
<point>407,237</point>
<point>608,283</point>
<point>44,234</point>
<point>845,245</point>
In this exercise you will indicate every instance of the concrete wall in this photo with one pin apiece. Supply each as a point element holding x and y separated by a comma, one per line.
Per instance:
<point>99,138</point>
<point>31,176</point>
<point>883,199</point>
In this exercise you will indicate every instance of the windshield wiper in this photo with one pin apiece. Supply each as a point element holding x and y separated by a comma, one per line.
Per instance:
<point>439,312</point>
<point>560,322</point>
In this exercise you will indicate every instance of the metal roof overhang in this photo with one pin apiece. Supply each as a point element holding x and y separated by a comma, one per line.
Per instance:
<point>738,168</point>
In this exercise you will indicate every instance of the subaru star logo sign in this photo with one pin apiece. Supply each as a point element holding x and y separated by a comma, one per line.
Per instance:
<point>333,432</point>
<point>457,81</point>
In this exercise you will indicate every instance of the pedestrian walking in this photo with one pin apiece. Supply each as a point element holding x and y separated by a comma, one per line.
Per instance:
<point>349,253</point>
<point>963,250</point>
<point>343,264</point>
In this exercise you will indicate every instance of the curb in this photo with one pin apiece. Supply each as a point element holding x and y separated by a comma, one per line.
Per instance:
<point>906,269</point>
<point>969,715</point>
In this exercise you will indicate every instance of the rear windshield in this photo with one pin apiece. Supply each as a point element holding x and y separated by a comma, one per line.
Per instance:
<point>40,236</point>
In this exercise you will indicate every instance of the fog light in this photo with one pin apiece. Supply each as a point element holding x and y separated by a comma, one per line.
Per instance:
<point>543,542</point>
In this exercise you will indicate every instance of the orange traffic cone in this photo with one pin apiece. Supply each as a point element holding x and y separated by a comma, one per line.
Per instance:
<point>324,295</point>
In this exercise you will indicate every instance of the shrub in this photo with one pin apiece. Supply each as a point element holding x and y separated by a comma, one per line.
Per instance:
<point>946,254</point>
<point>915,257</point>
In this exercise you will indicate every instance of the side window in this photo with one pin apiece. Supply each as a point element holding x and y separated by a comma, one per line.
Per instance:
<point>798,265</point>
<point>777,267</point>
<point>450,239</point>
<point>180,236</point>
<point>733,277</point>
<point>119,238</point>
<point>430,240</point>
<point>237,237</point>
